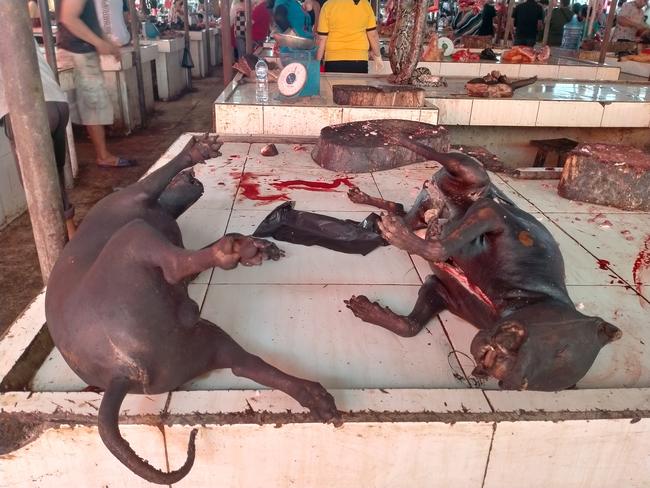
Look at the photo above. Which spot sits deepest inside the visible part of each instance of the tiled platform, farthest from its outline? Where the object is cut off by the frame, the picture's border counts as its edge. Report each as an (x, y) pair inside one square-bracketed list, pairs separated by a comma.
[(543, 104), (547, 104), (299, 320), (237, 112), (556, 69), (413, 419)]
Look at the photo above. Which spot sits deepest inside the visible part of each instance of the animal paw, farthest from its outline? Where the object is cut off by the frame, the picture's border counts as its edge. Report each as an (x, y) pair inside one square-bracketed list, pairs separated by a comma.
[(317, 399), (365, 309), (268, 249), (202, 148), (356, 195), (395, 231)]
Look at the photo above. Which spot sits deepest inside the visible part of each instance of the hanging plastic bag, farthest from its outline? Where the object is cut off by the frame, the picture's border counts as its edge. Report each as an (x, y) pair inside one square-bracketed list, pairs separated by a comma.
[(312, 229), (187, 59)]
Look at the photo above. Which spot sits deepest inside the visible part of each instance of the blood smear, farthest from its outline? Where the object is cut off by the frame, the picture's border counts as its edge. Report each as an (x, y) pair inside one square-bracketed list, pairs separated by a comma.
[(641, 263)]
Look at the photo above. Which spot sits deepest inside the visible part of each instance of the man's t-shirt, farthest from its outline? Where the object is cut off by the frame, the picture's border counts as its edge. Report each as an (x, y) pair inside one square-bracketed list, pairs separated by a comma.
[(526, 16), (346, 23), (68, 41), (111, 18), (632, 12), (487, 22)]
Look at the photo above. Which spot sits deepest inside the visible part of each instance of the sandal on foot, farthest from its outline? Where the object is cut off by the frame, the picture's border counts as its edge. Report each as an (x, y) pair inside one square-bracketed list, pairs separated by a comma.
[(121, 163)]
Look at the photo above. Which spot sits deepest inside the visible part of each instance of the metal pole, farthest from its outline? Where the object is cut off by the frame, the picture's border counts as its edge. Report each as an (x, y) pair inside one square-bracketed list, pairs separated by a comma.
[(186, 27), (208, 61), (48, 38), (135, 27), (30, 126), (226, 43), (248, 8), (547, 22), (608, 32)]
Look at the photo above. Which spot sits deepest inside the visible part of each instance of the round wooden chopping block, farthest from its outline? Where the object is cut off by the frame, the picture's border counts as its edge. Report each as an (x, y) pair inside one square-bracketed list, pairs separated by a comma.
[(372, 145)]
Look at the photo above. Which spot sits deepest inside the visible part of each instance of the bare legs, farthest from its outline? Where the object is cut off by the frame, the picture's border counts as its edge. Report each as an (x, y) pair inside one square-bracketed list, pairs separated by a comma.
[(97, 134)]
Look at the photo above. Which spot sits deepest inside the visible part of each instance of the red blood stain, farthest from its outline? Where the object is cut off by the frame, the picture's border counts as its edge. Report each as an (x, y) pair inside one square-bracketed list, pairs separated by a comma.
[(641, 263), (299, 147), (312, 185), (250, 188), (603, 263)]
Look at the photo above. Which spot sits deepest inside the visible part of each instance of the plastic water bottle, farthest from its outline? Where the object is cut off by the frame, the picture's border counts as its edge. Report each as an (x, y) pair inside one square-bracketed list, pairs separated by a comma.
[(262, 84), (572, 34)]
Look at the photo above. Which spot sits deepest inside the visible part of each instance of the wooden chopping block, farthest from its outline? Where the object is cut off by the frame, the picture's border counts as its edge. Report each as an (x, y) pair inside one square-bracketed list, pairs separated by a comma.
[(378, 96), (370, 145), (607, 174)]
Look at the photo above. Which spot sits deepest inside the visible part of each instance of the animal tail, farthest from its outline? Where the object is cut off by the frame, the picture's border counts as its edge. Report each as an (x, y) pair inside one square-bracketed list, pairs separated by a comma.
[(109, 431)]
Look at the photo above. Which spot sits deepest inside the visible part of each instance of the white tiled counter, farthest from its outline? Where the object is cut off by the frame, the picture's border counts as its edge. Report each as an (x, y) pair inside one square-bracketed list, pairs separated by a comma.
[(171, 77), (558, 69), (199, 51), (412, 414), (631, 67), (547, 104), (237, 112), (543, 104), (215, 46)]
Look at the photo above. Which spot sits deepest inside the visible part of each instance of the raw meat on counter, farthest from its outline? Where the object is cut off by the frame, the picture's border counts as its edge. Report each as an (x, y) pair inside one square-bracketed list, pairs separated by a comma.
[(522, 54), (495, 85)]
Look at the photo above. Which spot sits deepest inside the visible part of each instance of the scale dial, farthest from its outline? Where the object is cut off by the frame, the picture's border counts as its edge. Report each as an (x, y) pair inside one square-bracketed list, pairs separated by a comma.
[(292, 79)]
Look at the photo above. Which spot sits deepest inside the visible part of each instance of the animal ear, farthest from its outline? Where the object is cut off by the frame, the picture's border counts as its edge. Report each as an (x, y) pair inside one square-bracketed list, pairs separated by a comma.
[(511, 335), (608, 332)]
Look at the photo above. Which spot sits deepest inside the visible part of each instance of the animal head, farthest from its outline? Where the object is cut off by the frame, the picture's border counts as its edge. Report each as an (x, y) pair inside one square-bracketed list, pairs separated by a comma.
[(181, 193), (546, 356)]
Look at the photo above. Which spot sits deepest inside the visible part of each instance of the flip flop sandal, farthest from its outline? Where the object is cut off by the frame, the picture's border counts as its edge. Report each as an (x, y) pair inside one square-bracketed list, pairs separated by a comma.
[(121, 163)]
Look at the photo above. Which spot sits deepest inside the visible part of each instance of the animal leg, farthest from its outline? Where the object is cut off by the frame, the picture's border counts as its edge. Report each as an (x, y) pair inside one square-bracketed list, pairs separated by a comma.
[(208, 347), (429, 304), (140, 239), (480, 219), (356, 195), (200, 149)]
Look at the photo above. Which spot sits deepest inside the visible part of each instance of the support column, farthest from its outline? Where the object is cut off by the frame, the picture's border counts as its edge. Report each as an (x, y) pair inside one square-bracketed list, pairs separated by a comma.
[(608, 32), (547, 21), (188, 51), (249, 26), (226, 43), (30, 126), (137, 58)]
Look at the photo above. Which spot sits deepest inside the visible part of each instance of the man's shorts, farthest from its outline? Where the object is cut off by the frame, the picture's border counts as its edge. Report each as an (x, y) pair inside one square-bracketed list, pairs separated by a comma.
[(91, 104)]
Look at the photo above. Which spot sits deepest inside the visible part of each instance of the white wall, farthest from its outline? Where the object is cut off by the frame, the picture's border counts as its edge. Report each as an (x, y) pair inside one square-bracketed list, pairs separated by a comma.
[(12, 196)]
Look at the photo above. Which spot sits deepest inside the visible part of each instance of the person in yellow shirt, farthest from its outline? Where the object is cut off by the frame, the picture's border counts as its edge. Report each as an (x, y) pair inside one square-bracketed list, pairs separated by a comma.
[(347, 29)]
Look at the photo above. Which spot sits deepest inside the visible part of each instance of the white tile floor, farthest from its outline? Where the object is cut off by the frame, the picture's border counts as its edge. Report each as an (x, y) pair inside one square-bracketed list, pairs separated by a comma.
[(291, 312)]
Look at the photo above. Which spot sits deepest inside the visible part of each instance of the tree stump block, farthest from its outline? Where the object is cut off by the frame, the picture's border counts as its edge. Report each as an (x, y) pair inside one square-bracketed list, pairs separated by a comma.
[(378, 96), (373, 145), (607, 174)]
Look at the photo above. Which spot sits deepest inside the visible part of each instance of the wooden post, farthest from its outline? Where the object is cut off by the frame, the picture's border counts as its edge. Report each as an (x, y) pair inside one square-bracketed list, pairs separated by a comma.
[(226, 43), (547, 22), (608, 32), (509, 21), (29, 122), (595, 6), (137, 57), (206, 6), (249, 26)]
